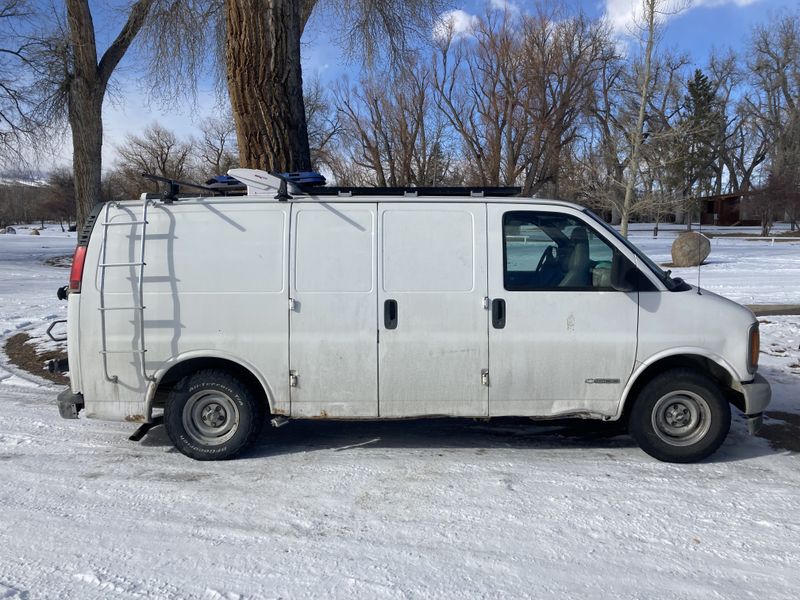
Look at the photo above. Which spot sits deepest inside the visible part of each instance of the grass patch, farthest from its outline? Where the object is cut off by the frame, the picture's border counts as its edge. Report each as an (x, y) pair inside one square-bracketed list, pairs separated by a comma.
[(65, 261), (24, 356)]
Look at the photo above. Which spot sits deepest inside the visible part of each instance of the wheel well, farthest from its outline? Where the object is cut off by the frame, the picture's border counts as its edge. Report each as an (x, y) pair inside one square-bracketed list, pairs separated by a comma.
[(187, 367), (687, 361)]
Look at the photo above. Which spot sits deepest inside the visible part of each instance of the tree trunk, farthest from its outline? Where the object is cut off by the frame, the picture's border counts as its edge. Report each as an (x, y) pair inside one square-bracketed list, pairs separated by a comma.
[(262, 52), (86, 89), (86, 123), (650, 7)]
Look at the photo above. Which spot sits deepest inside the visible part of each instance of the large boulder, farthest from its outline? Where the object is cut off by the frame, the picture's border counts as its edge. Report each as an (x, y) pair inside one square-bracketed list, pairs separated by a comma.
[(690, 249), (34, 232)]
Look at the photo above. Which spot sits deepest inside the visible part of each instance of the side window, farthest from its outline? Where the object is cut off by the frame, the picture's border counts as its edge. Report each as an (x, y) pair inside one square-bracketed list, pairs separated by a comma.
[(553, 251)]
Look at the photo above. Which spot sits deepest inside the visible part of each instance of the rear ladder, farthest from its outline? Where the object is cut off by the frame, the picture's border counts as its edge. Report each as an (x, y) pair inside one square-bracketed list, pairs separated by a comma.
[(139, 306)]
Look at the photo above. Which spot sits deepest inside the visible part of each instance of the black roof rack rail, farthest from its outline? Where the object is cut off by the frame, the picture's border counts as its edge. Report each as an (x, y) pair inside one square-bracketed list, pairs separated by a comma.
[(174, 186), (409, 191)]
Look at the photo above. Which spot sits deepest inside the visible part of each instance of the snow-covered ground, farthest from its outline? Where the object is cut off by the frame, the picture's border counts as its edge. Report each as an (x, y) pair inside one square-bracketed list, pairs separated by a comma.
[(427, 509), (28, 287), (744, 270)]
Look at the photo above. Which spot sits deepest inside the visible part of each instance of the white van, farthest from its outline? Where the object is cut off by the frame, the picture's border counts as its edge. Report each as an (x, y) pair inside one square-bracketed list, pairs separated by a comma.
[(324, 303)]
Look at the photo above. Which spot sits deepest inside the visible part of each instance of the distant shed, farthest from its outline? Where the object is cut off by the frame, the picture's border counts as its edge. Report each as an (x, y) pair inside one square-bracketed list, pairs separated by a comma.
[(727, 209)]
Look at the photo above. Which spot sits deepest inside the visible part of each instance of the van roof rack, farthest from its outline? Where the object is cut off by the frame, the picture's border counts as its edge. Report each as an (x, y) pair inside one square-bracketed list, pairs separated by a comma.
[(174, 186), (286, 184), (411, 191)]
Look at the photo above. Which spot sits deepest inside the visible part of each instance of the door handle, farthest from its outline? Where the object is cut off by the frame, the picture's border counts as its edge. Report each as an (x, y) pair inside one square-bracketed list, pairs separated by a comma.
[(390, 314), (498, 313)]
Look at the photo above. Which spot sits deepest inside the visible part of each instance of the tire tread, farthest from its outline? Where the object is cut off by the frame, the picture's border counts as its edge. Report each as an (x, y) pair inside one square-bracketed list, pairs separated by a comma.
[(640, 425), (213, 378)]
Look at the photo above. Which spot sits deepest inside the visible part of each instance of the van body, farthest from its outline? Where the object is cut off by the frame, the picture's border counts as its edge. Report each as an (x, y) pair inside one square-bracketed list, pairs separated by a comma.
[(226, 311)]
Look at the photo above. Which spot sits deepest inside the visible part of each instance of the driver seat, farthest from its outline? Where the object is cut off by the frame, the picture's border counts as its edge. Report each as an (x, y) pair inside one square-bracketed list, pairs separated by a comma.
[(579, 266)]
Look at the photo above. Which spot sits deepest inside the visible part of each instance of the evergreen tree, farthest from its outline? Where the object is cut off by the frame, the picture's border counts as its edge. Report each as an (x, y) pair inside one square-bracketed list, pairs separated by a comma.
[(697, 145)]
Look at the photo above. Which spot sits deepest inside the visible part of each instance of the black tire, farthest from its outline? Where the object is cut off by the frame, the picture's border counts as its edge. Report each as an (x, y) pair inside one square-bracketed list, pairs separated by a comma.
[(212, 415), (680, 416)]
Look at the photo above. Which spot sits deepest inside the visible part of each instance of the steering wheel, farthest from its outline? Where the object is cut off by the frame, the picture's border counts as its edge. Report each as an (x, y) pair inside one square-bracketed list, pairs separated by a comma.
[(547, 259)]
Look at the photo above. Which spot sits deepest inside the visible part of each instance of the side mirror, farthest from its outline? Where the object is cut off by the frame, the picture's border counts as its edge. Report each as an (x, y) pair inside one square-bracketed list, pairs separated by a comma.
[(623, 273)]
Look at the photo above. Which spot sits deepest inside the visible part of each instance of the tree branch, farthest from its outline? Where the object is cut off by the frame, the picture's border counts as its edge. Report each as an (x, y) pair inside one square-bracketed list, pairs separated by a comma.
[(120, 45)]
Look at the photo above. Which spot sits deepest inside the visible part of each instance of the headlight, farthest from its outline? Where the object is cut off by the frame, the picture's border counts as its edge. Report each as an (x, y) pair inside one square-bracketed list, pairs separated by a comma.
[(753, 348)]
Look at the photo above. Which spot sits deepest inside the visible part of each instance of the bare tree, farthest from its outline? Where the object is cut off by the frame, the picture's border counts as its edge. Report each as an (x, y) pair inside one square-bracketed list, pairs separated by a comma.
[(774, 69), (86, 85), (561, 60), (650, 10), (157, 151), (59, 196), (516, 92), (216, 149), (727, 78), (72, 81), (479, 91), (606, 154), (17, 123), (397, 137), (323, 124), (258, 44), (19, 202)]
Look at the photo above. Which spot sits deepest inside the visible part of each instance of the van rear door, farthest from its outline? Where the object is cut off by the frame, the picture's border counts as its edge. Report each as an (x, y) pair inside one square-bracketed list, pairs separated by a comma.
[(433, 346)]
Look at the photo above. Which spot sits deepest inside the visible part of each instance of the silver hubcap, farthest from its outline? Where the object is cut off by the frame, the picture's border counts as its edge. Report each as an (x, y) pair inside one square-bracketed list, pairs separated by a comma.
[(681, 418), (210, 417)]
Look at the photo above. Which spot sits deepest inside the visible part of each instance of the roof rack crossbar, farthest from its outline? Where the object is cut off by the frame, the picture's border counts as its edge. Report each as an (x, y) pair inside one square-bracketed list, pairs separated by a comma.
[(174, 185)]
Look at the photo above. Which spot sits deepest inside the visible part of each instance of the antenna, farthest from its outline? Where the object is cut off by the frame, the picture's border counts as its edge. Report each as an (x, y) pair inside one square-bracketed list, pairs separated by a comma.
[(699, 246)]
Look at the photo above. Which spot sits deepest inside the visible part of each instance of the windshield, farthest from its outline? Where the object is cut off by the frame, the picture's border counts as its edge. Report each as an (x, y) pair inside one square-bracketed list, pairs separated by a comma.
[(660, 273)]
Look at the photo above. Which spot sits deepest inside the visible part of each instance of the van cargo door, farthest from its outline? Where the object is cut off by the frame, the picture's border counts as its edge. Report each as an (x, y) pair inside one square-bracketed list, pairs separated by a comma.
[(333, 310), (433, 347)]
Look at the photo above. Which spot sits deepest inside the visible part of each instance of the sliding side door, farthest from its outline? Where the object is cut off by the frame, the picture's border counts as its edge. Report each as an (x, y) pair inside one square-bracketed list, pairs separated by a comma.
[(433, 345)]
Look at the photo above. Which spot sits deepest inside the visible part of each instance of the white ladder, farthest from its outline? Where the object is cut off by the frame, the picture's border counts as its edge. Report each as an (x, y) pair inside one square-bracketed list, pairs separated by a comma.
[(139, 307)]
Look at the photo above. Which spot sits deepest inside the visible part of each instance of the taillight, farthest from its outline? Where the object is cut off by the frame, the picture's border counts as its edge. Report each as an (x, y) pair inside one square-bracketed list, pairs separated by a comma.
[(754, 347), (76, 273)]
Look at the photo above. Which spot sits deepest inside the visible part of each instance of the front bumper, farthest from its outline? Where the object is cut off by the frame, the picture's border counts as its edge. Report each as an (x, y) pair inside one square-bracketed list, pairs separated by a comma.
[(69, 404), (757, 395)]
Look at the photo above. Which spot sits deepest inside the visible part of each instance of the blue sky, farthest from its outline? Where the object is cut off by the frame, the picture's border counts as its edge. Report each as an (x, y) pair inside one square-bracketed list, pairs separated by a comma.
[(703, 26)]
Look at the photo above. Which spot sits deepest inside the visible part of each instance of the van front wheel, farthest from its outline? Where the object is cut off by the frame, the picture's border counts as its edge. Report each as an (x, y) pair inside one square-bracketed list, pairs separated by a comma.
[(680, 416), (211, 415)]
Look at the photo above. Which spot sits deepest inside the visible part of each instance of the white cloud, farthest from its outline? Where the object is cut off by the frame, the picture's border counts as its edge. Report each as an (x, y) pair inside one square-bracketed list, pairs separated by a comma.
[(504, 5), (454, 23), (621, 14)]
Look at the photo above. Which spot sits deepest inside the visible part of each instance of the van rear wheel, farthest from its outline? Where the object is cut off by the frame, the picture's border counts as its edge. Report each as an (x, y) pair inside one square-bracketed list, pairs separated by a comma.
[(211, 415), (680, 416)]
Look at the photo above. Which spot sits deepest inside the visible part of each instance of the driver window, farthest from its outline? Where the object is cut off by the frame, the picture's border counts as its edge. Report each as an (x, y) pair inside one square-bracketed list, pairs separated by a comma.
[(554, 251)]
